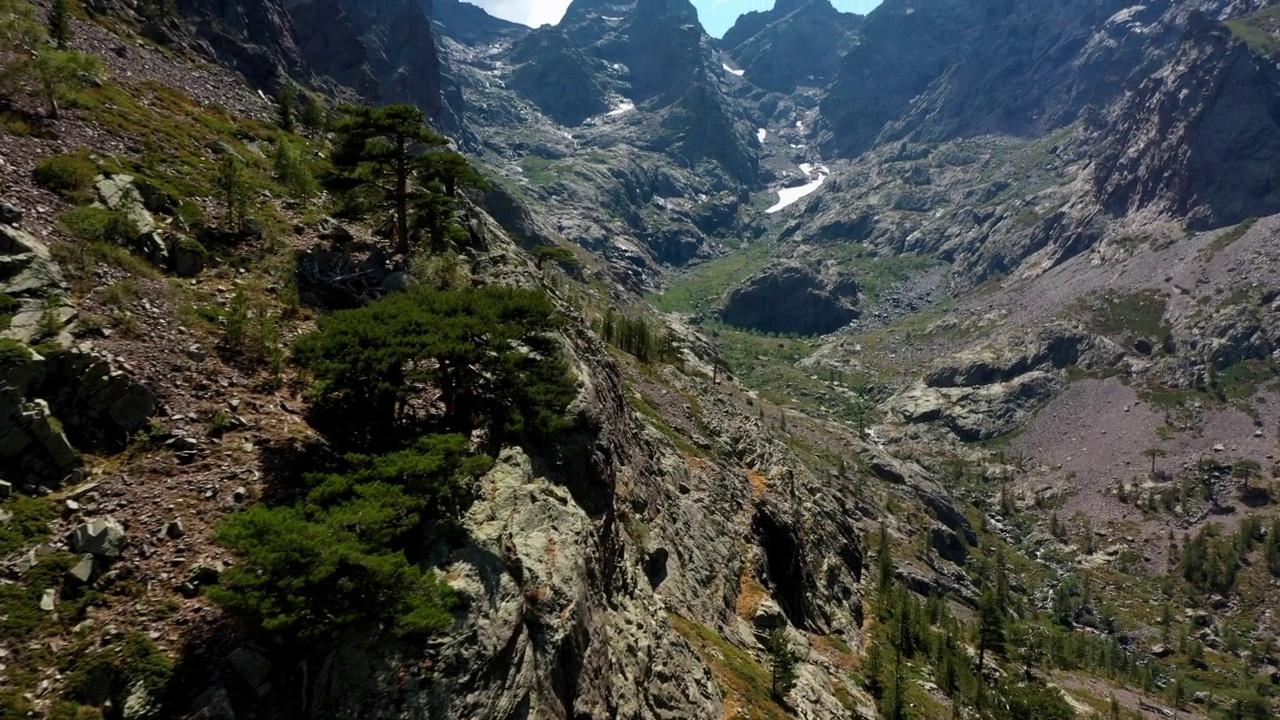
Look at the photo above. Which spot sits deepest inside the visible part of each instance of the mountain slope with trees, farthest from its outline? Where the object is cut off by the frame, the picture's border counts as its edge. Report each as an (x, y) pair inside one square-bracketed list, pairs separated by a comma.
[(326, 405)]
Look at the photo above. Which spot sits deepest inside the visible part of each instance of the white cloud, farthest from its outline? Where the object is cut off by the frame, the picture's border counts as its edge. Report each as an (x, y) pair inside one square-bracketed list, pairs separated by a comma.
[(528, 12)]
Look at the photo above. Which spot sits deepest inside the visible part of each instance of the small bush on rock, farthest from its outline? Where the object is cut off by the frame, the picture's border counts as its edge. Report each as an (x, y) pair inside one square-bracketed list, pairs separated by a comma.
[(97, 224), (71, 176)]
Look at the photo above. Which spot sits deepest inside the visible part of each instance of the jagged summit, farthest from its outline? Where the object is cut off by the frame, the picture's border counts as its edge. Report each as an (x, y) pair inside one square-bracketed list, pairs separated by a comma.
[(470, 24), (557, 76), (797, 43)]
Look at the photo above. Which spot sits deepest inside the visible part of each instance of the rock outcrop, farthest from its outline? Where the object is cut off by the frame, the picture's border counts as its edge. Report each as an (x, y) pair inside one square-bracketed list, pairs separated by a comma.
[(792, 298), (49, 403), (535, 638), (36, 306), (253, 37), (164, 248), (985, 393)]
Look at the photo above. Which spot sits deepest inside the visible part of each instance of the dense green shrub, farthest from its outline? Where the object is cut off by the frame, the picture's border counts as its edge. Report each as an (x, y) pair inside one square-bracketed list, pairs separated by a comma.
[(486, 351), (436, 472), (9, 306), (292, 170), (346, 555), (111, 674), (1031, 701), (30, 517), (71, 176), (311, 574), (348, 552), (98, 224)]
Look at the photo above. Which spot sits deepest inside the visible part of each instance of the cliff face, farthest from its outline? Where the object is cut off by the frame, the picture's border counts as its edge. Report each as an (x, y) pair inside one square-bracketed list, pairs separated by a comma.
[(384, 49), (938, 71), (558, 77), (797, 43), (254, 37), (1200, 138)]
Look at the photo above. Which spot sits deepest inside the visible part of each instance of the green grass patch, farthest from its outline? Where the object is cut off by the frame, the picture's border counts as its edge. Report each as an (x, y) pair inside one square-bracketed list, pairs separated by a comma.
[(700, 287), (71, 176), (743, 680), (645, 408), (9, 306), (79, 259), (875, 275), (539, 171), (21, 616), (768, 364), (99, 225), (1226, 239), (1140, 314), (112, 673), (1260, 31), (29, 524), (1243, 380), (176, 135)]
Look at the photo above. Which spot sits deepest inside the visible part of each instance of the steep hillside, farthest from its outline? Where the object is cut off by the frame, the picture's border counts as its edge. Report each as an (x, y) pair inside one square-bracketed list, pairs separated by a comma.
[(915, 365)]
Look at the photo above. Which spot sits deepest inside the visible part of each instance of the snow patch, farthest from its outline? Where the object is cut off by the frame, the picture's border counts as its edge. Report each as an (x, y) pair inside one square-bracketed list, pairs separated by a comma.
[(790, 196), (622, 109), (806, 168), (761, 134), (1126, 15), (731, 71)]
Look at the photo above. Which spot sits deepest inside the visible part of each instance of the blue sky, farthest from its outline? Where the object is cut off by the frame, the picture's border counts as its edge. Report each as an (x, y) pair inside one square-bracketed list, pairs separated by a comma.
[(717, 15)]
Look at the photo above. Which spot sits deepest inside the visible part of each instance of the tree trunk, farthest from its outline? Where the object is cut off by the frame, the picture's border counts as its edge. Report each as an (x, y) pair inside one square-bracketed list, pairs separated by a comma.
[(402, 199), (52, 97)]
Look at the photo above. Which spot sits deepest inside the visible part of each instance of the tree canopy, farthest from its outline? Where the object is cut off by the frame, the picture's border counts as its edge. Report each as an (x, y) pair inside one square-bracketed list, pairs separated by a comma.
[(386, 160), (39, 65), (401, 385), (429, 360)]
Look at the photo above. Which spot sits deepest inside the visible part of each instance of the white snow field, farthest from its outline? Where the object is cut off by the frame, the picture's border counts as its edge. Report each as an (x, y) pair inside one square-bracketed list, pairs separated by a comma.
[(790, 196)]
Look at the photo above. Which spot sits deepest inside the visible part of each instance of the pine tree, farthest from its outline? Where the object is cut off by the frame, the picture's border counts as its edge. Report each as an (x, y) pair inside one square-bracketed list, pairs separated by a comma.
[(782, 662), (1003, 596), (884, 566), (234, 192), (60, 24), (991, 636), (484, 353), (1272, 547), (313, 116), (902, 647), (292, 170), (376, 161), (288, 108), (387, 160)]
